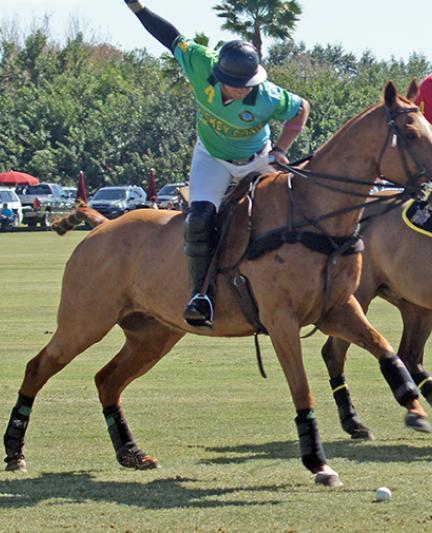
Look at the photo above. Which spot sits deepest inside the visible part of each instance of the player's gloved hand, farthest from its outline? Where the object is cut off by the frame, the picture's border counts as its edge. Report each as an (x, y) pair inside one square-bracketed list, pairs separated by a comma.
[(134, 5), (277, 155)]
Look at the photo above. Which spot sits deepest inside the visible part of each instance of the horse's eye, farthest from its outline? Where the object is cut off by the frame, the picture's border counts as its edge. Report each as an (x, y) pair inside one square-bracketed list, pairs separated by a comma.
[(411, 135)]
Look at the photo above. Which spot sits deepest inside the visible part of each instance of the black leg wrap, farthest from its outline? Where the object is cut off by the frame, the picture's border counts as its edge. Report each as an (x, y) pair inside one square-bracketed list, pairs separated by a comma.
[(15, 432), (397, 376), (312, 452), (423, 380), (127, 452), (118, 429), (350, 420), (342, 398)]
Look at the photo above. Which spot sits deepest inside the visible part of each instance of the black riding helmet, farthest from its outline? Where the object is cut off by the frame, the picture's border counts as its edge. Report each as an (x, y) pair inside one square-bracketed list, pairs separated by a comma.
[(238, 65)]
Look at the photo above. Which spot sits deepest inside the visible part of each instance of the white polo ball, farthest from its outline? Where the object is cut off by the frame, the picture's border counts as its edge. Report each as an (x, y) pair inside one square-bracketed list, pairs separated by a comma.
[(383, 494)]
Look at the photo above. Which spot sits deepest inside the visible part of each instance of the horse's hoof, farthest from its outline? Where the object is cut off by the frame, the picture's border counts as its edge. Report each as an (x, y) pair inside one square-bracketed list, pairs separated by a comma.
[(354, 427), (148, 463), (328, 480), (16, 465), (137, 459), (417, 422), (362, 434)]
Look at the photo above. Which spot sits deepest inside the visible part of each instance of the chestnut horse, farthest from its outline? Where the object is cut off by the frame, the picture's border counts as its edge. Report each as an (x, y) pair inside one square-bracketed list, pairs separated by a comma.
[(396, 266), (118, 275)]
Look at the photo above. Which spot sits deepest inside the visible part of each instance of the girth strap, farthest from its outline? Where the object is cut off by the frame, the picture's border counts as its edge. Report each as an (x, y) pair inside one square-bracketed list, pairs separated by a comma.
[(247, 302), (241, 287), (317, 242)]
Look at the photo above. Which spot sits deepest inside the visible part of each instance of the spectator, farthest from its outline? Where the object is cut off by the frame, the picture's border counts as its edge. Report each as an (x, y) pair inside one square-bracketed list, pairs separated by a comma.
[(424, 98), (152, 195), (6, 217), (36, 203)]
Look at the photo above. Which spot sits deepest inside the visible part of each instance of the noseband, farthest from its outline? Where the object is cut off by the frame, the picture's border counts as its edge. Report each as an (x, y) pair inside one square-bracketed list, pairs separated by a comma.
[(399, 141)]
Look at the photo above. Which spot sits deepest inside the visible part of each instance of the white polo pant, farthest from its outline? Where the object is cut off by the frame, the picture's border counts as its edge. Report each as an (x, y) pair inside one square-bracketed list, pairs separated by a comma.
[(210, 177)]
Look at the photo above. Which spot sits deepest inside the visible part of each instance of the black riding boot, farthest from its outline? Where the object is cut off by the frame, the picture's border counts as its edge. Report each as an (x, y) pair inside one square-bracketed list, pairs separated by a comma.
[(199, 240)]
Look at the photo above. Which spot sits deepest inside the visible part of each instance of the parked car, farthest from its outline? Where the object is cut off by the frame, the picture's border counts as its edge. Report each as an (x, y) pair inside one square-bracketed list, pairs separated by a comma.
[(9, 197), (169, 195), (41, 202), (71, 193), (116, 200)]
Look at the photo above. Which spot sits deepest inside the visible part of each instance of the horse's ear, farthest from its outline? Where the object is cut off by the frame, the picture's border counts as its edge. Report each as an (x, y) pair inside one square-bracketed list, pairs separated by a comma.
[(390, 94), (413, 90)]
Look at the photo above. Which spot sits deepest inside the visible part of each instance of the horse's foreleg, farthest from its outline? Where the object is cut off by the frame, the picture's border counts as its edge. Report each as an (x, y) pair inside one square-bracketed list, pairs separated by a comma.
[(143, 348), (284, 333), (417, 326), (350, 323), (65, 345)]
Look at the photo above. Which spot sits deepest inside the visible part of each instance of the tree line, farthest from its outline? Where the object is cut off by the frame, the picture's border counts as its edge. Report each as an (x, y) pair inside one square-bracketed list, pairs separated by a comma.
[(115, 114)]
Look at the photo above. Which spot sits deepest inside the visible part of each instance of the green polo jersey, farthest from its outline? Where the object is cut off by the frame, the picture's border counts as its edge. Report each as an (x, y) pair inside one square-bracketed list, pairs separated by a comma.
[(241, 128)]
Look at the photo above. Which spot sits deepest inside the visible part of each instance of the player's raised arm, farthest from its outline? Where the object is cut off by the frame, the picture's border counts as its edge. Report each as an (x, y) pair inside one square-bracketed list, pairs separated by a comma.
[(161, 29)]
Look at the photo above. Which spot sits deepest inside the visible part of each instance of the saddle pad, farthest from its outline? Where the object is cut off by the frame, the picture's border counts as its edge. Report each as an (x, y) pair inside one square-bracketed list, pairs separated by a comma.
[(417, 215)]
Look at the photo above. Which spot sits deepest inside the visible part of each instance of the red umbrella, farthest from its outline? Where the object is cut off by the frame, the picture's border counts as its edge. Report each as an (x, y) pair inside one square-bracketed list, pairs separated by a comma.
[(82, 189), (152, 187), (13, 177)]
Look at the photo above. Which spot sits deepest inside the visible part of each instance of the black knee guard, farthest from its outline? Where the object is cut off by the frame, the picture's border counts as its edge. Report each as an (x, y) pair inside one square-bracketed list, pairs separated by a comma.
[(199, 233), (199, 229), (311, 450), (15, 432), (397, 376)]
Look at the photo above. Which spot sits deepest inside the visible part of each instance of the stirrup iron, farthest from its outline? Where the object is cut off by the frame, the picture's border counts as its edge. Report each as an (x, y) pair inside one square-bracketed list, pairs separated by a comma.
[(203, 320)]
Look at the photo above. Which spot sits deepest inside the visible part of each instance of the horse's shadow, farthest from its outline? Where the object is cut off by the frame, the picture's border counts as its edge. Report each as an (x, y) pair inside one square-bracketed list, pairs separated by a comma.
[(174, 492), (355, 451), (166, 493)]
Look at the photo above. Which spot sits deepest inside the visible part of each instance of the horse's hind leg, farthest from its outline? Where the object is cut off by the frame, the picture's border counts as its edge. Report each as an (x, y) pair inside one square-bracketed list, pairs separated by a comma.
[(417, 326), (334, 353), (349, 322), (147, 341), (68, 341)]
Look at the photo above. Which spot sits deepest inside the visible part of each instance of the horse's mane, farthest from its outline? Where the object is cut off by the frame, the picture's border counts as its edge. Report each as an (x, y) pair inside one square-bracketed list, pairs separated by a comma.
[(346, 126), (351, 121)]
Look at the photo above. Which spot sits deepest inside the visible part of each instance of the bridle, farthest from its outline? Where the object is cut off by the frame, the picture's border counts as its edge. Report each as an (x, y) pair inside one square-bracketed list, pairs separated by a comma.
[(335, 183), (398, 140)]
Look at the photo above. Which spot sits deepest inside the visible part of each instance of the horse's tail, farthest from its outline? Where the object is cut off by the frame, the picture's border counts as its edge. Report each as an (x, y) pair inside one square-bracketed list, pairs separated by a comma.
[(82, 213)]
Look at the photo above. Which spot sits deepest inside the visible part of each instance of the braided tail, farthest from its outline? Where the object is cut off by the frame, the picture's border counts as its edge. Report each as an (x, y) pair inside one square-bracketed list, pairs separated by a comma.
[(82, 213)]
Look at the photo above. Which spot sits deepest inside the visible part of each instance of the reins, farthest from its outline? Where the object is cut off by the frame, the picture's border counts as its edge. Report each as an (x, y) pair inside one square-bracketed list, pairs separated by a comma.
[(393, 202), (408, 190)]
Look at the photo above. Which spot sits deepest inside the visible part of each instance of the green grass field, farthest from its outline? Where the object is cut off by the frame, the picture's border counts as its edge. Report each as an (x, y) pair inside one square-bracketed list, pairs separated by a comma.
[(225, 437)]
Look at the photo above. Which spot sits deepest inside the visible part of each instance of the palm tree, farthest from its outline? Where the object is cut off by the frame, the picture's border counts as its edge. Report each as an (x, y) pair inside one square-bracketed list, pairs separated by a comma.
[(254, 18)]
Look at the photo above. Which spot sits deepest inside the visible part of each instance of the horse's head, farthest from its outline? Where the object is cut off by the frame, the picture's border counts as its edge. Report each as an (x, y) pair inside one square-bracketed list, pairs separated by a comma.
[(406, 156)]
